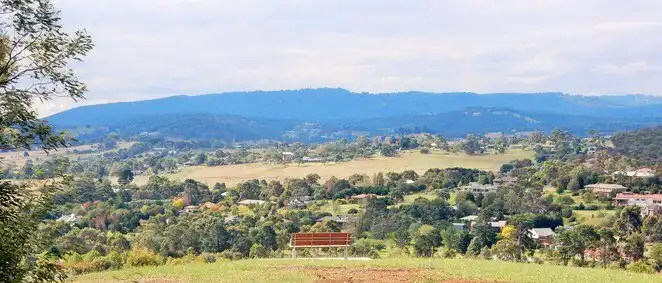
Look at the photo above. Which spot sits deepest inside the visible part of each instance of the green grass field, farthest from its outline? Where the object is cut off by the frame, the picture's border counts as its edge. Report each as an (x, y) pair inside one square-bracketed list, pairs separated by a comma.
[(592, 217), (381, 270), (407, 160)]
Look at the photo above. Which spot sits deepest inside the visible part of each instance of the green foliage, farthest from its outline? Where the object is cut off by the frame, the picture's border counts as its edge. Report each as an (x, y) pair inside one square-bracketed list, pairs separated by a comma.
[(258, 251), (143, 257), (640, 266), (634, 246), (34, 54), (367, 248), (629, 220), (644, 145), (426, 240), (655, 254), (507, 250)]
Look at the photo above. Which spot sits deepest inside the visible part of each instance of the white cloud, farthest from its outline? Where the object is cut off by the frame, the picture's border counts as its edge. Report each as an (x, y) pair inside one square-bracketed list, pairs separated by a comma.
[(147, 49), (628, 68)]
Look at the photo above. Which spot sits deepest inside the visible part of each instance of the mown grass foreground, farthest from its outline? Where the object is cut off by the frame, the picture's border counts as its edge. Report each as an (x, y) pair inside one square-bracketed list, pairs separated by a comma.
[(380, 270)]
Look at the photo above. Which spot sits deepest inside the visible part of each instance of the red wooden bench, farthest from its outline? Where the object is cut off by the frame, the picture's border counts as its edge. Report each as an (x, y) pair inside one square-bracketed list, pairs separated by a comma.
[(320, 240)]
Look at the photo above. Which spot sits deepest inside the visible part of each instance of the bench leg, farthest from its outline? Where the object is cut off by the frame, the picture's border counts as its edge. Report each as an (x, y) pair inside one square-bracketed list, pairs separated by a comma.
[(294, 252), (345, 252)]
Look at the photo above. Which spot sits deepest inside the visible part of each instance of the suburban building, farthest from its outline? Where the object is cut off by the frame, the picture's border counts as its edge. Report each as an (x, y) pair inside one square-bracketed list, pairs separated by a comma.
[(505, 181), (470, 218), (311, 159), (641, 173), (250, 202), (459, 226), (339, 218), (299, 202), (476, 188), (544, 236), (71, 218), (191, 208), (498, 225), (364, 196), (605, 189), (649, 204)]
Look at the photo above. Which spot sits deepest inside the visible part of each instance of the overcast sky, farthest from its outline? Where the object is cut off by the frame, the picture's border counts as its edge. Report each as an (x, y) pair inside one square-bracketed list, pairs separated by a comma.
[(156, 48)]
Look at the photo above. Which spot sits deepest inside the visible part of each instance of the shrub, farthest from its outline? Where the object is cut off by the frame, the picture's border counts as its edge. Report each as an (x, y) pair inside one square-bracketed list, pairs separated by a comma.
[(399, 252), (113, 260), (640, 266), (143, 257), (425, 150), (448, 253), (258, 251), (231, 255), (182, 260), (367, 247), (208, 258), (80, 267), (352, 211), (485, 253)]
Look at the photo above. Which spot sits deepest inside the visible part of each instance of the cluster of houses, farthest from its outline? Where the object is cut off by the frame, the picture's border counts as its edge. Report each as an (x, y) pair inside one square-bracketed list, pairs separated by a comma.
[(649, 204), (544, 236), (641, 173), (476, 188)]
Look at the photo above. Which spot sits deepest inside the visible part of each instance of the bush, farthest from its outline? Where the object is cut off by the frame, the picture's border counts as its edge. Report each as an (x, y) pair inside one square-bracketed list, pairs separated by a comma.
[(143, 257), (367, 247), (352, 211), (208, 258), (399, 252), (425, 150), (114, 260), (448, 253), (258, 251), (231, 255), (640, 266), (182, 260), (485, 253)]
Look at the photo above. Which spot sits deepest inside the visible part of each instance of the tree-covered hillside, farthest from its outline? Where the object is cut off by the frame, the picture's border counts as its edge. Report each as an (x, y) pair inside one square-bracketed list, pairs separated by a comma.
[(644, 145), (338, 104)]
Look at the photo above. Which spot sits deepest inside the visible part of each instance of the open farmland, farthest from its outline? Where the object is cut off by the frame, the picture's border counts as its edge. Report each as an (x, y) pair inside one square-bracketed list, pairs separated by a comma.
[(407, 160), (381, 270), (17, 158)]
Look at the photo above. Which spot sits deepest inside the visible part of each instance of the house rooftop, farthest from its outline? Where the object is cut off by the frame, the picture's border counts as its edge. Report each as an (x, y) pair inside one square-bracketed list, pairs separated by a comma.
[(542, 232), (638, 196), (498, 224), (605, 186), (469, 218), (251, 201), (364, 196)]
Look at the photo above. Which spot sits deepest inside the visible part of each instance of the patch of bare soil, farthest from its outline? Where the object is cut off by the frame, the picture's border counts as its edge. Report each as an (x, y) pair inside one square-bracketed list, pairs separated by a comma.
[(466, 281), (376, 274), (156, 280)]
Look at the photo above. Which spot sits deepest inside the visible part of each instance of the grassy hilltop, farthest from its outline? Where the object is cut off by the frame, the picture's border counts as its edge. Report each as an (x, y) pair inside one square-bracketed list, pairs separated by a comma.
[(380, 270)]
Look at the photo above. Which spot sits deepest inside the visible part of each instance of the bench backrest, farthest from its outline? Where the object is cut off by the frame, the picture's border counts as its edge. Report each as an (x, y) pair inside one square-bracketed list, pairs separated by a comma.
[(326, 239)]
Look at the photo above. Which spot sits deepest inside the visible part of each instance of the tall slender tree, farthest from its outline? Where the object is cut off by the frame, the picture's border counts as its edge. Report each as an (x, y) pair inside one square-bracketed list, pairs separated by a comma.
[(35, 53)]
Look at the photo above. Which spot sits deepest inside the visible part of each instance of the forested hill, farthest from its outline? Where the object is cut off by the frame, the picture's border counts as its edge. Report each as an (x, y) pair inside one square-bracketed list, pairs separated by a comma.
[(330, 104), (644, 145), (313, 114)]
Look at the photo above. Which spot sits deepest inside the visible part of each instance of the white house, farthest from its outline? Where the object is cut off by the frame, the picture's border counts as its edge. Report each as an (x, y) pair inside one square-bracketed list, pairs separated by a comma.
[(250, 202), (476, 188), (71, 218)]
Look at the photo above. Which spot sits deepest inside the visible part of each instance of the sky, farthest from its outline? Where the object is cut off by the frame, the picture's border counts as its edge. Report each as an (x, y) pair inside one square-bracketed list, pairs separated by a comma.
[(156, 48)]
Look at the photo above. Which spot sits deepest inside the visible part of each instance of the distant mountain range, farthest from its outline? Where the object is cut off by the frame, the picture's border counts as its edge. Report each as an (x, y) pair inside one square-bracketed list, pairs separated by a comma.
[(313, 114)]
